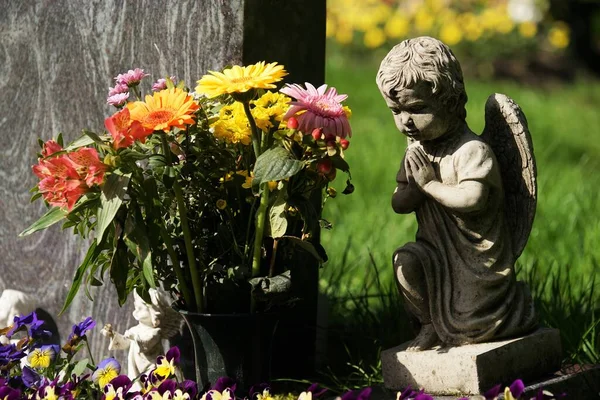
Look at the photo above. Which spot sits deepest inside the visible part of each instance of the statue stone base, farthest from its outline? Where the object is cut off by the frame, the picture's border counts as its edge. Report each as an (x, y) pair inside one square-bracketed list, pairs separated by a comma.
[(473, 369)]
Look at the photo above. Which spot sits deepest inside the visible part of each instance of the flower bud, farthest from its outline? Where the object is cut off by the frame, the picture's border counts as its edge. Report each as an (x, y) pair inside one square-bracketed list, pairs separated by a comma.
[(324, 166), (344, 143), (292, 123), (331, 175), (316, 133)]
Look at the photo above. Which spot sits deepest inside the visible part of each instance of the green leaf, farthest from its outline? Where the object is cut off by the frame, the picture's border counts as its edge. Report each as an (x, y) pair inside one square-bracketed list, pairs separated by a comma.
[(119, 269), (306, 246), (81, 142), (157, 160), (138, 243), (129, 154), (339, 163), (35, 197), (53, 215), (111, 198), (93, 136), (278, 223), (80, 367), (274, 165), (90, 257)]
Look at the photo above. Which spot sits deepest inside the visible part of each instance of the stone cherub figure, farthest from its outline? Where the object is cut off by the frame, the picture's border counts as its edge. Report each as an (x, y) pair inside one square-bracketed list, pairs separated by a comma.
[(474, 198), (157, 322)]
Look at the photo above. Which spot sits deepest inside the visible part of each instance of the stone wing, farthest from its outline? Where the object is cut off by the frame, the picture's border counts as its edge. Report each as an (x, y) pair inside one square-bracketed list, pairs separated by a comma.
[(506, 131)]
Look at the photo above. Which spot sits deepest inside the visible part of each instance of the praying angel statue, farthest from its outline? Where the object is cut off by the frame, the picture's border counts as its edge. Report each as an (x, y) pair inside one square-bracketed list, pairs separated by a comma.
[(157, 322), (474, 197)]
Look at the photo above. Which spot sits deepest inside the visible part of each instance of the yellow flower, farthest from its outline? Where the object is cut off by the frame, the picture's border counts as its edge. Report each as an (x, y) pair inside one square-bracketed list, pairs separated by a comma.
[(451, 33), (344, 35), (559, 35), (347, 111), (397, 26), (232, 125), (169, 108), (528, 29), (329, 27), (248, 182), (241, 79), (228, 176), (423, 20), (374, 37), (268, 108), (49, 394), (42, 357), (221, 204), (265, 395)]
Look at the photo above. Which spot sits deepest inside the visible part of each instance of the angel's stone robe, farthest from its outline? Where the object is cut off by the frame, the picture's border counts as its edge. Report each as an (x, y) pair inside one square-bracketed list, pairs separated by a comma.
[(467, 257)]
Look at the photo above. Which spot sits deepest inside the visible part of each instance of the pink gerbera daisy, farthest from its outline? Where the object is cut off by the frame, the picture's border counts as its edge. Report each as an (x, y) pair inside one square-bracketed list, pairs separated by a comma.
[(318, 108), (131, 77)]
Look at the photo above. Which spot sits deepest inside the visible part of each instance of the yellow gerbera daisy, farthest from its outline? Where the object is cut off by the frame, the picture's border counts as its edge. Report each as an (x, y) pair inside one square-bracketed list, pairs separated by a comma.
[(239, 79), (169, 108)]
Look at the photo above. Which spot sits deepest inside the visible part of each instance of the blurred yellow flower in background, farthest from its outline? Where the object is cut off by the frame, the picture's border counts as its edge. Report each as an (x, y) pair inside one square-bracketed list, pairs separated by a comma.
[(374, 37), (397, 26), (423, 20), (451, 33), (527, 29), (558, 36)]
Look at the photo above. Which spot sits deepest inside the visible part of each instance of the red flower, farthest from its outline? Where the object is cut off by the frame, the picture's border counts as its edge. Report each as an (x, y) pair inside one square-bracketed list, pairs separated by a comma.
[(88, 165), (123, 130)]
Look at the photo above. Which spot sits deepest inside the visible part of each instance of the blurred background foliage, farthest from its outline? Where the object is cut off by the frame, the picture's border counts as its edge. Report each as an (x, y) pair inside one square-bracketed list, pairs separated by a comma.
[(544, 54), (517, 38)]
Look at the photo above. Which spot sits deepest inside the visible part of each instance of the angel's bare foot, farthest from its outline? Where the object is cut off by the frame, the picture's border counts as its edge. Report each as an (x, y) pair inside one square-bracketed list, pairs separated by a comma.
[(426, 339)]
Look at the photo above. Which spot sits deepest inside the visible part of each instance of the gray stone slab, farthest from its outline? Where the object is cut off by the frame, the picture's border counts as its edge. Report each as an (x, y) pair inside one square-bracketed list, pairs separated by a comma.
[(473, 369)]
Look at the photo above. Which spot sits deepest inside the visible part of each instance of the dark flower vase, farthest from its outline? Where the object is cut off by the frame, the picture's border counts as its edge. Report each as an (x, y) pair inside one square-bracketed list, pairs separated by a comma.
[(235, 345)]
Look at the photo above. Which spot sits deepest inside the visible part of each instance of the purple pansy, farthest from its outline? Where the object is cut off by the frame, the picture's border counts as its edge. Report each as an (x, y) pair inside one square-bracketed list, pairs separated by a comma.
[(8, 393), (364, 394), (31, 322), (423, 396), (258, 389), (10, 353), (492, 393), (314, 389), (223, 383), (517, 388), (190, 387), (32, 379), (81, 328), (406, 393)]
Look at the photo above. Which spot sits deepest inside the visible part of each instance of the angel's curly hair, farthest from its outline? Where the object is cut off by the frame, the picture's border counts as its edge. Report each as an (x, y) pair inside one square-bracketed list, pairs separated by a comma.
[(424, 59)]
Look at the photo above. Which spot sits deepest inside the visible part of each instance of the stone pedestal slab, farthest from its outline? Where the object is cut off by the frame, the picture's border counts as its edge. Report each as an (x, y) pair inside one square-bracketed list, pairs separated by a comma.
[(473, 369)]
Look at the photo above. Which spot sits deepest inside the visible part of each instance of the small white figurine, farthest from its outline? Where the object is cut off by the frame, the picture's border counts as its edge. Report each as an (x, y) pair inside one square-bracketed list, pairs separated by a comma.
[(157, 322), (12, 303)]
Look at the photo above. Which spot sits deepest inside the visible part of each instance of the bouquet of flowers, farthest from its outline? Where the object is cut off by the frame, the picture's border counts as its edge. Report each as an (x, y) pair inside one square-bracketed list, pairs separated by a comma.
[(205, 193)]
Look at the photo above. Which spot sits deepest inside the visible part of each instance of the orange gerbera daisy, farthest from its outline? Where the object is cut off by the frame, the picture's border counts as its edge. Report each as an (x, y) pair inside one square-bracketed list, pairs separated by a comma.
[(169, 108), (241, 79)]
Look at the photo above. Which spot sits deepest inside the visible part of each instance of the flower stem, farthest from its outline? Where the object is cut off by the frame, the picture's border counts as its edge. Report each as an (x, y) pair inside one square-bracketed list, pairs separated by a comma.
[(189, 247), (261, 214), (87, 344), (183, 288), (255, 137)]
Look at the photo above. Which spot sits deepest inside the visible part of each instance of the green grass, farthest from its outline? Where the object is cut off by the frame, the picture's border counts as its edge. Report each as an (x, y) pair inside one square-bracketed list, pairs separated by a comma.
[(562, 256)]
